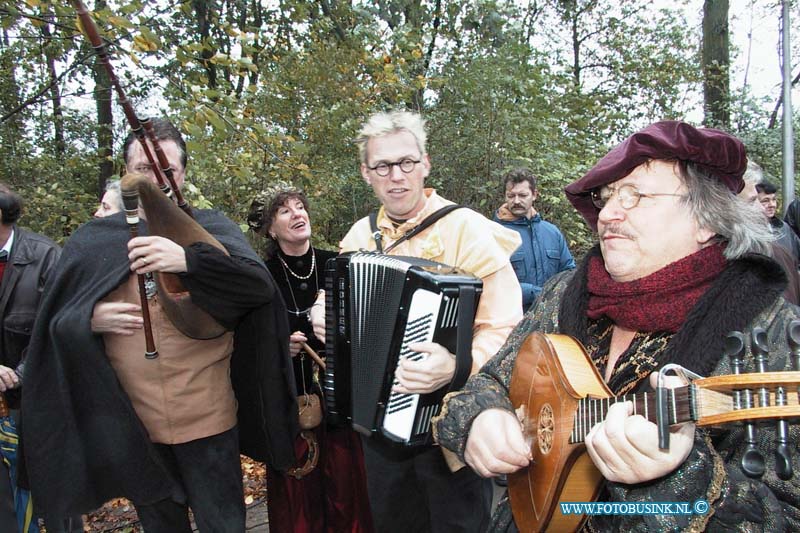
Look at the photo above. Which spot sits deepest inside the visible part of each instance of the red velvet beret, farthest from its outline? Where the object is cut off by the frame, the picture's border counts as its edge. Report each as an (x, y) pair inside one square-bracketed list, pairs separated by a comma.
[(718, 153)]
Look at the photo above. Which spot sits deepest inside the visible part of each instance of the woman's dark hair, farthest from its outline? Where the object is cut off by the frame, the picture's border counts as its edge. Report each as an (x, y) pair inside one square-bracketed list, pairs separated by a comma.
[(263, 209)]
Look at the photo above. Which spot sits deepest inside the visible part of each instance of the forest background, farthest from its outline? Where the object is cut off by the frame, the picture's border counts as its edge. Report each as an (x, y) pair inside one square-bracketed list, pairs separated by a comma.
[(277, 89)]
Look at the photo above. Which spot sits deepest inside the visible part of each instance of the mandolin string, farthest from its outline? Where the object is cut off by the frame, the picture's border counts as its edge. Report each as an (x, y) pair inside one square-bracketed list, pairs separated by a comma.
[(591, 411)]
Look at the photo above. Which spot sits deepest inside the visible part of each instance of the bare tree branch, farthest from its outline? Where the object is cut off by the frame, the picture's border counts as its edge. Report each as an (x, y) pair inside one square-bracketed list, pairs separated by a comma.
[(773, 118), (44, 89)]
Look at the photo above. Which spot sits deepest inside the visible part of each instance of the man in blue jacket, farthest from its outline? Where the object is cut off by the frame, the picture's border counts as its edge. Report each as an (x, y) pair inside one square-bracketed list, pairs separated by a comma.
[(543, 252)]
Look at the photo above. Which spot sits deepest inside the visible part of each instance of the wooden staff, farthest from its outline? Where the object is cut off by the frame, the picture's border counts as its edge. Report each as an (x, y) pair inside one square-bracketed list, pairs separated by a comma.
[(165, 179), (314, 355)]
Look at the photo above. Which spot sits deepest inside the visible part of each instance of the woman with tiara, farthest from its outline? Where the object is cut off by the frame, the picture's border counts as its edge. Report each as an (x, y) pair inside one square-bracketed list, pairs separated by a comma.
[(326, 491)]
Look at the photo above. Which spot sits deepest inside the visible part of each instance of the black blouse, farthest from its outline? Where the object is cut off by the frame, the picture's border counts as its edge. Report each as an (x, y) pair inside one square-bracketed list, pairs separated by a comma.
[(299, 295)]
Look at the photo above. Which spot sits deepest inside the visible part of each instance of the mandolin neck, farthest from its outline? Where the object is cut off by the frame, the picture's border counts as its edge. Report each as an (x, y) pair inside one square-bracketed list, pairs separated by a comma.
[(681, 407)]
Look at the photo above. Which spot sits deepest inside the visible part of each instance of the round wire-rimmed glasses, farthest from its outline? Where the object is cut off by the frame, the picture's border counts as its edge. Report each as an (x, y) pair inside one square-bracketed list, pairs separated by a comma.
[(628, 195)]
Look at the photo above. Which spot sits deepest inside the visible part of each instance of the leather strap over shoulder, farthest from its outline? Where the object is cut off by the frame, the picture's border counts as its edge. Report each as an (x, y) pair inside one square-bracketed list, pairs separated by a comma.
[(432, 218), (376, 233), (467, 301)]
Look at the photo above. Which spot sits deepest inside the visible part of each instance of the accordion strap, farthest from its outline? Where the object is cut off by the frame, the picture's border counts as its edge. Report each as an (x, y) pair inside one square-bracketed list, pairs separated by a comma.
[(433, 217), (466, 315)]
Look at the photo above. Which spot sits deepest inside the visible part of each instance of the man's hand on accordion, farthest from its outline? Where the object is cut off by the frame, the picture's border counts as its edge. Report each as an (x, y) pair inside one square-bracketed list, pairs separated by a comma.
[(430, 374)]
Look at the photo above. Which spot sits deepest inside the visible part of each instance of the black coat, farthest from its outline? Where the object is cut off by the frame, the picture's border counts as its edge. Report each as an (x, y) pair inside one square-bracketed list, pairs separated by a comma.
[(792, 216), (83, 443), (27, 270)]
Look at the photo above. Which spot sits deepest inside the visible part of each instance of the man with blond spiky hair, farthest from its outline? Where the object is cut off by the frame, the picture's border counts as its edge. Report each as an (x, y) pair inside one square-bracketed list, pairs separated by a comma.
[(414, 490)]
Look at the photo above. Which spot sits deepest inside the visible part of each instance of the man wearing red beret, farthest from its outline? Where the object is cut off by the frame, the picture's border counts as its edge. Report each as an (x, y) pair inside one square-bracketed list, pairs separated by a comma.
[(680, 263)]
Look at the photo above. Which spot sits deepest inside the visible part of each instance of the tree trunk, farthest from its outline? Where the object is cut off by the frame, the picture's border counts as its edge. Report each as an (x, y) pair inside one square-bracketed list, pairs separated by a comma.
[(12, 128), (716, 62), (105, 120), (55, 92), (203, 12)]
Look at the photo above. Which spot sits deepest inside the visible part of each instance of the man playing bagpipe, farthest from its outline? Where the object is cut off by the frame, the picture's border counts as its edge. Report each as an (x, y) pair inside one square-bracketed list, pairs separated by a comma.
[(102, 419)]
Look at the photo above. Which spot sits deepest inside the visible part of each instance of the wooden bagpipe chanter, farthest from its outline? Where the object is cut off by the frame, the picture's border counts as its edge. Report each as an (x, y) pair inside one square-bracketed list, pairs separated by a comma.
[(168, 214), (559, 396)]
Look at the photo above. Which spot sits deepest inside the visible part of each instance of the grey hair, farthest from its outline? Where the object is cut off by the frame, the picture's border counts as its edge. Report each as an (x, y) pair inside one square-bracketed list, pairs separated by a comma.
[(113, 186), (754, 173), (714, 207), (381, 124)]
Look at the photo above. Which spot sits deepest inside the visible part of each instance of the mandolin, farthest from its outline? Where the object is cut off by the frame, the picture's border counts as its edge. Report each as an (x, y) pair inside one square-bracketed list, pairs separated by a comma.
[(559, 396)]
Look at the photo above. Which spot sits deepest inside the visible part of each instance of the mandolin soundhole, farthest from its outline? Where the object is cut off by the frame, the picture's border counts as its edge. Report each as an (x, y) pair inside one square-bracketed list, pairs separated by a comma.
[(546, 428)]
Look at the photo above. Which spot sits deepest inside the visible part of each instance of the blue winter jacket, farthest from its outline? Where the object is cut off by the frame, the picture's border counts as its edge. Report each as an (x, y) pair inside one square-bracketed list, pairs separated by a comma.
[(542, 254)]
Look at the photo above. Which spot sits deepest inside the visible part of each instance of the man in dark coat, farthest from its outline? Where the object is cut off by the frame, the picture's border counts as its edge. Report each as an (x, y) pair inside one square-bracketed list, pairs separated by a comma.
[(101, 420), (784, 235), (681, 263), (26, 263), (792, 216)]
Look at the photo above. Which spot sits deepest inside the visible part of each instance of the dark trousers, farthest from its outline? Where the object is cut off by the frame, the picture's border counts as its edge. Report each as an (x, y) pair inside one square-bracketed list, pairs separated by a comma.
[(68, 525), (8, 517), (210, 471), (416, 492)]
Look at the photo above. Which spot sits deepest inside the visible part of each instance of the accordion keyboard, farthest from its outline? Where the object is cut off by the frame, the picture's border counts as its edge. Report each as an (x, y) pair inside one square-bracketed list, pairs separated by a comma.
[(401, 409)]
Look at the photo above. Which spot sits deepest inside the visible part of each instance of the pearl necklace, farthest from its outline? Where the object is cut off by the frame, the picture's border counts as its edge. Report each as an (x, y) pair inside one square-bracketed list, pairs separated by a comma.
[(298, 276), (297, 311)]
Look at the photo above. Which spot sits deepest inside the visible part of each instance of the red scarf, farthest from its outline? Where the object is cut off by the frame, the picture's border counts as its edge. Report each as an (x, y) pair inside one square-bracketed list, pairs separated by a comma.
[(658, 302)]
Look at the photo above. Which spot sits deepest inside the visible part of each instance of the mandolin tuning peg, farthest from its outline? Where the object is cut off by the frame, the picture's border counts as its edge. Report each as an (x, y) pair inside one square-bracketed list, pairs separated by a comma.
[(734, 343), (734, 349), (793, 333), (753, 463), (760, 348), (793, 336), (783, 457), (760, 354), (783, 461)]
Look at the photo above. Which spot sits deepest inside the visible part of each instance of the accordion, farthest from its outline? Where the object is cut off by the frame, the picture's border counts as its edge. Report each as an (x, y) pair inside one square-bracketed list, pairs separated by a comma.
[(376, 305)]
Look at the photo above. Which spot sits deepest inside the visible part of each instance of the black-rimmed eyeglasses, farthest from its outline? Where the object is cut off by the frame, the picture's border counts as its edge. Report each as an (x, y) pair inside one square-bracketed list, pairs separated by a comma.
[(406, 165), (628, 195)]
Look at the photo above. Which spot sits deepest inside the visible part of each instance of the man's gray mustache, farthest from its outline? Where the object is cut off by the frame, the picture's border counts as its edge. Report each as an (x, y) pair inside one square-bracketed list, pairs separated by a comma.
[(615, 230)]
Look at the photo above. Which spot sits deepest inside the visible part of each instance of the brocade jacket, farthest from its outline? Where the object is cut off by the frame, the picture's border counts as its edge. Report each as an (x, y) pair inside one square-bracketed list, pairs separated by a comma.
[(712, 470)]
